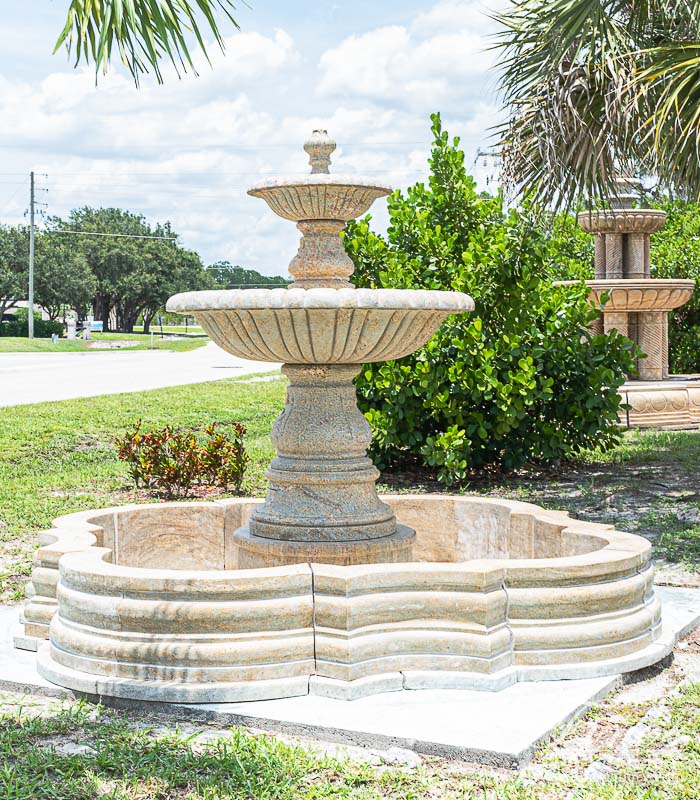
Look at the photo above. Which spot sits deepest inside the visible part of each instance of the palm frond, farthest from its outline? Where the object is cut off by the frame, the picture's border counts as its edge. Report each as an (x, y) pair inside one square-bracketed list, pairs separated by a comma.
[(143, 32), (592, 86), (673, 129)]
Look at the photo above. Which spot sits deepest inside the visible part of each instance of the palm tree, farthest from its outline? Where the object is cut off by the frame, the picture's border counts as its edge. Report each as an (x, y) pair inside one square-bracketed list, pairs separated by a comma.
[(142, 32), (593, 87)]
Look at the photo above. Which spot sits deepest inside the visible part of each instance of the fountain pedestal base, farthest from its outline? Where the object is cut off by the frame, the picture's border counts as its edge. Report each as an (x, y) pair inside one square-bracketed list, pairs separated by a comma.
[(671, 404), (322, 485), (255, 551)]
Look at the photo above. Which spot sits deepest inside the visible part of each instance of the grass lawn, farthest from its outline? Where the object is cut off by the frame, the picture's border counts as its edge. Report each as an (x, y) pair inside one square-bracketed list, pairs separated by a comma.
[(130, 341), (181, 329)]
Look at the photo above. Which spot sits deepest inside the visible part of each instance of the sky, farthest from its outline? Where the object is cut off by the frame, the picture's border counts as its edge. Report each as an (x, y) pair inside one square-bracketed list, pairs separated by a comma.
[(369, 71)]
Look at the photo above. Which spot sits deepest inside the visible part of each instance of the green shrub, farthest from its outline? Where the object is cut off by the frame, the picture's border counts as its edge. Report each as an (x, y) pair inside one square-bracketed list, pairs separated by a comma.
[(675, 253), (519, 379), (172, 463), (19, 326)]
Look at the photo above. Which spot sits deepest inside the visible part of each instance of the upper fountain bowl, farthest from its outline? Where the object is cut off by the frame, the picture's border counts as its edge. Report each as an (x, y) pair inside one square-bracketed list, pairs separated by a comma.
[(622, 220), (320, 196)]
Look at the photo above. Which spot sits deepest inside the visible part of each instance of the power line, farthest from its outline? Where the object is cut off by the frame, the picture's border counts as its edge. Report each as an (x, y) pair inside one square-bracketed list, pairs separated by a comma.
[(245, 147), (120, 235)]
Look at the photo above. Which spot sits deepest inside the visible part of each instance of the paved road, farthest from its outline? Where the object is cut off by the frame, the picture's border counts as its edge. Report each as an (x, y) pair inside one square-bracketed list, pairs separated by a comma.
[(38, 377)]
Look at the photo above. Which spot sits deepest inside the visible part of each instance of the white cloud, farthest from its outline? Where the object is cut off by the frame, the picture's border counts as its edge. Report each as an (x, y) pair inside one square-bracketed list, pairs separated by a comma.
[(364, 65), (441, 58), (453, 15)]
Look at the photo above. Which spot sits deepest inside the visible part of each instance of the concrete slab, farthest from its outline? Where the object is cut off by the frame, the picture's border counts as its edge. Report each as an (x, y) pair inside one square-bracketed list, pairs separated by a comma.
[(502, 728)]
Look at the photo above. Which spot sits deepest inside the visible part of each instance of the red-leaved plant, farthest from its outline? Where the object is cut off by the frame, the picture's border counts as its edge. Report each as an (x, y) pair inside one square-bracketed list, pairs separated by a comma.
[(173, 462)]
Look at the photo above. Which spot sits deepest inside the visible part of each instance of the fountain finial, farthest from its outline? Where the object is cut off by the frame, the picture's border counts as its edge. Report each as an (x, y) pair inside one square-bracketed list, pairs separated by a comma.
[(319, 146), (628, 190)]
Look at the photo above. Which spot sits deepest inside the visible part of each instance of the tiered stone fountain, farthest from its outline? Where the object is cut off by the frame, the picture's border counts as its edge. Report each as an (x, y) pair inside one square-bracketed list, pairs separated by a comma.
[(325, 587), (638, 307)]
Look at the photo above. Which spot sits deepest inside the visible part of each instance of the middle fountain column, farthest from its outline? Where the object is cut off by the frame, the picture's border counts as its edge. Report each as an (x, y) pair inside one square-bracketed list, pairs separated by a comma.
[(322, 485)]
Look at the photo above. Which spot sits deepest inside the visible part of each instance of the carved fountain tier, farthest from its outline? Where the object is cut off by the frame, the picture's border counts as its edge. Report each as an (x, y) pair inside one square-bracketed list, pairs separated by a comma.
[(322, 504), (638, 307), (325, 587)]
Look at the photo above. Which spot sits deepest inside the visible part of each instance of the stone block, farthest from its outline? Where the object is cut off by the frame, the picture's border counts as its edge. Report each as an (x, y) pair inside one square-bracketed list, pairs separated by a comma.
[(174, 536)]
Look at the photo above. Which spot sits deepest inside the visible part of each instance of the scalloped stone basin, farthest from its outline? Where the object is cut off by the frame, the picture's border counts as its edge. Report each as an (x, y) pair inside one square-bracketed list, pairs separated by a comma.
[(151, 605), (320, 197), (645, 294), (322, 325), (622, 220)]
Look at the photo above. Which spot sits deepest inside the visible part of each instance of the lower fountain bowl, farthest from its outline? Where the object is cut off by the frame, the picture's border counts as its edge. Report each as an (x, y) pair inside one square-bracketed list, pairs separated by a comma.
[(150, 602), (321, 325)]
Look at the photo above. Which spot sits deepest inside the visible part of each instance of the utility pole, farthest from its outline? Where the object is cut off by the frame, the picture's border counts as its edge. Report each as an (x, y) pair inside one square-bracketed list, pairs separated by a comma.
[(30, 315)]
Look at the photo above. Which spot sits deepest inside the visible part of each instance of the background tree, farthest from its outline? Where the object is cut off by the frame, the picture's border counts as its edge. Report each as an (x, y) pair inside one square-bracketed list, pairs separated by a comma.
[(62, 277), (142, 32), (593, 85), (133, 276), (14, 266), (230, 276), (521, 378), (182, 272)]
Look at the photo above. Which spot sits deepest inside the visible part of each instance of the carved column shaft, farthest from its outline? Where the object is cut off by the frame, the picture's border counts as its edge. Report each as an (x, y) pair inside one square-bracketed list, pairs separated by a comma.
[(321, 260), (322, 485), (596, 327), (652, 340), (636, 265), (614, 253), (616, 320), (600, 256)]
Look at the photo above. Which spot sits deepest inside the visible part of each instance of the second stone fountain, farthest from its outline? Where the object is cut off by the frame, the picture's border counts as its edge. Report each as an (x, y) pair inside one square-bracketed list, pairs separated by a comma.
[(322, 504)]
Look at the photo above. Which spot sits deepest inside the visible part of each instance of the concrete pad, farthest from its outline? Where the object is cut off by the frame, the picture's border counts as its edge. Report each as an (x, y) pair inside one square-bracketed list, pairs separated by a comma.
[(18, 671), (503, 728), (500, 728)]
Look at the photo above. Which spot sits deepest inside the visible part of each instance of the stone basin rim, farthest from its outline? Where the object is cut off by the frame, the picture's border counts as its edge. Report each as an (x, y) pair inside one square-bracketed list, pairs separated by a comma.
[(609, 213), (633, 283), (85, 553), (319, 179), (321, 298)]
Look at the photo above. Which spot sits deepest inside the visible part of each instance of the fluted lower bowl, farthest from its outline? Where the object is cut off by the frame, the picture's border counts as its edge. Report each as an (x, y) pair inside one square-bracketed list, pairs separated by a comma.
[(622, 220), (320, 326), (331, 197), (643, 294)]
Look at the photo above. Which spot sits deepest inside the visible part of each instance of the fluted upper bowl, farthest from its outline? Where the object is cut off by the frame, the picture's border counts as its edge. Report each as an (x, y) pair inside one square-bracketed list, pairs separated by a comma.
[(320, 326), (640, 294), (320, 196), (622, 220)]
